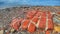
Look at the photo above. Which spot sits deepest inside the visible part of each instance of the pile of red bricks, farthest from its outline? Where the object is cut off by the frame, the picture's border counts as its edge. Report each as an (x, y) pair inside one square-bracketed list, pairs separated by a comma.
[(34, 20)]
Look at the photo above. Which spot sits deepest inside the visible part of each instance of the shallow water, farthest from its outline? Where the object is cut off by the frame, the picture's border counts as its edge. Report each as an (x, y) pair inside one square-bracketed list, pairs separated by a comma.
[(11, 3)]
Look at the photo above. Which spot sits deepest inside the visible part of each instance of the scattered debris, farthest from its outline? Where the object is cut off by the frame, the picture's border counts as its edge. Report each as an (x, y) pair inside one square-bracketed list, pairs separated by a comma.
[(34, 20)]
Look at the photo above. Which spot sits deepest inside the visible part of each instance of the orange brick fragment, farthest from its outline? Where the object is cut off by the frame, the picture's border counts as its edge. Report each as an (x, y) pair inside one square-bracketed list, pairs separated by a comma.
[(38, 14), (35, 19), (50, 24), (31, 14), (48, 32), (31, 28), (42, 23), (16, 23), (25, 24)]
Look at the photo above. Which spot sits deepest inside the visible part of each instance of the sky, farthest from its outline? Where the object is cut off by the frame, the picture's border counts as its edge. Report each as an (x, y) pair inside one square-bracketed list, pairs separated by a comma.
[(8, 3)]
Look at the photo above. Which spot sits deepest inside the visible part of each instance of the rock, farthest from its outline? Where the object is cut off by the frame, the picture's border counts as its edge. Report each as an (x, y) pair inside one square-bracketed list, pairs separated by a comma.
[(12, 30), (1, 32)]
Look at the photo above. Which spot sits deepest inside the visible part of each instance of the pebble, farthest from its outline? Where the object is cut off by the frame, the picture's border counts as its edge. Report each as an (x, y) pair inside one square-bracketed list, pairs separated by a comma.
[(1, 32)]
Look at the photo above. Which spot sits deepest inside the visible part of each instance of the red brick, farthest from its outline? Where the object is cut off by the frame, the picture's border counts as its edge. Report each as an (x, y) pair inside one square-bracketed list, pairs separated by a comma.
[(31, 28), (25, 24)]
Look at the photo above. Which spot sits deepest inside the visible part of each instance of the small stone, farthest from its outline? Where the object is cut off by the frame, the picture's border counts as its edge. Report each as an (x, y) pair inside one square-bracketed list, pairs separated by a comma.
[(19, 33), (12, 30), (1, 32), (59, 18)]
